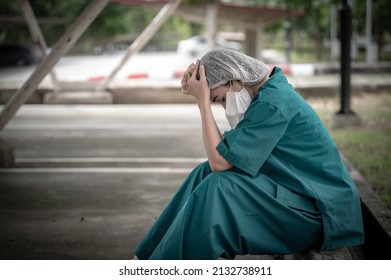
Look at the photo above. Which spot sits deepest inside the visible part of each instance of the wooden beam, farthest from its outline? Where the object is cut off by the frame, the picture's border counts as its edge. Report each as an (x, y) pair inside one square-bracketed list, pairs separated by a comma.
[(197, 15), (142, 39), (62, 46)]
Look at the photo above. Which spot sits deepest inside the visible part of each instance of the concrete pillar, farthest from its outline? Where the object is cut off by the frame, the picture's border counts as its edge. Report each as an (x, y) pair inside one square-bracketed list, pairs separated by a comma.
[(250, 47), (334, 43), (259, 35), (370, 49), (354, 44), (212, 10), (6, 154)]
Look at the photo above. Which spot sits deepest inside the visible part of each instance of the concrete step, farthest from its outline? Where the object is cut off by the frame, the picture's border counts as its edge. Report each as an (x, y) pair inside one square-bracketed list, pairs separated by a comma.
[(351, 253), (117, 162), (78, 97)]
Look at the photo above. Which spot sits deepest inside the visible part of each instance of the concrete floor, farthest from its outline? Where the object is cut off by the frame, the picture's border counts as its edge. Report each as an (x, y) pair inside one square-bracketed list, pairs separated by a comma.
[(90, 180)]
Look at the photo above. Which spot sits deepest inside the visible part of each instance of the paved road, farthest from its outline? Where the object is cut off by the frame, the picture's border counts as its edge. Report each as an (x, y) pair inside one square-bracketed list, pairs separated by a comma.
[(90, 180), (158, 66)]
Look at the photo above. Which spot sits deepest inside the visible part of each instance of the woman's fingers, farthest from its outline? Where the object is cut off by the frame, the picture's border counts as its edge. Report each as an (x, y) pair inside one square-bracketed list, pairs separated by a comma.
[(186, 77), (197, 66), (188, 73), (194, 80), (202, 72)]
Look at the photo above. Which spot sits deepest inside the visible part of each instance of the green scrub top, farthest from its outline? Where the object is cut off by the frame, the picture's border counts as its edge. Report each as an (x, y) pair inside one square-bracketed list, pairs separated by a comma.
[(282, 137)]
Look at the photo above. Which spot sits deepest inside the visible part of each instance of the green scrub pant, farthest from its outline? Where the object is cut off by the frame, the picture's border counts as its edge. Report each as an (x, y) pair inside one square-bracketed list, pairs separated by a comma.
[(224, 214)]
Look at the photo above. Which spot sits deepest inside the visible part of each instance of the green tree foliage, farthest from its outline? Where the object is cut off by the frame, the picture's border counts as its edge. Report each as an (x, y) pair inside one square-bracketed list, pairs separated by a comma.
[(115, 19), (66, 10)]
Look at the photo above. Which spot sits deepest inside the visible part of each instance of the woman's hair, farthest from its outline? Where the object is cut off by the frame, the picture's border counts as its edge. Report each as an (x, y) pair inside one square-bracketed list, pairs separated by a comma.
[(224, 65)]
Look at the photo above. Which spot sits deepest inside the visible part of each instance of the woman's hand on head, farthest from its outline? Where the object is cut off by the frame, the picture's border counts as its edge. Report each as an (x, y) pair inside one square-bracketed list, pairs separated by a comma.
[(197, 88), (186, 78)]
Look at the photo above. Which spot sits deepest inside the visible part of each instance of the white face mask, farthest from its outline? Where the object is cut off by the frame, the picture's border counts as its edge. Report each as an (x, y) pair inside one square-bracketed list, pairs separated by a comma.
[(235, 106)]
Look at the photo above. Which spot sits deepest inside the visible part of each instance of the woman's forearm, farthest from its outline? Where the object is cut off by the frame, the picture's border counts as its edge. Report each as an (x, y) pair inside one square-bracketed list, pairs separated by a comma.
[(198, 87), (212, 137)]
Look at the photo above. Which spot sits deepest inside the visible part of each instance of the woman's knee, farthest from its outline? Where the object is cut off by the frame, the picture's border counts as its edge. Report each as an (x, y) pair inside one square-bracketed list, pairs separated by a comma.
[(195, 177)]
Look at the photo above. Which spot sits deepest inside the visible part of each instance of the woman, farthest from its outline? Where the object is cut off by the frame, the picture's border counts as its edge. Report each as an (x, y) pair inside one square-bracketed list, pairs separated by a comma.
[(274, 184)]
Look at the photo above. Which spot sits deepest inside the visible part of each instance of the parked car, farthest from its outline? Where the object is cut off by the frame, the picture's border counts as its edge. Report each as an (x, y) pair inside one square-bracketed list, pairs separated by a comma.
[(19, 55), (197, 46)]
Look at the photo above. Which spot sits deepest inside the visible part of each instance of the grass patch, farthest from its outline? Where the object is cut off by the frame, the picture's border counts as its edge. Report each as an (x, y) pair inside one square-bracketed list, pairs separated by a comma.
[(368, 147)]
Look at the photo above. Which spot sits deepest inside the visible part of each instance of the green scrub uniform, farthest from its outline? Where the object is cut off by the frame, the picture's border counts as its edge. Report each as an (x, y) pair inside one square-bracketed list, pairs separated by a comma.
[(289, 191)]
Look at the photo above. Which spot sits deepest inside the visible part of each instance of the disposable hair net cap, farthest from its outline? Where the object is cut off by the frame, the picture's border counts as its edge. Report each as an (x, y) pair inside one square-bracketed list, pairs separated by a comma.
[(224, 65)]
